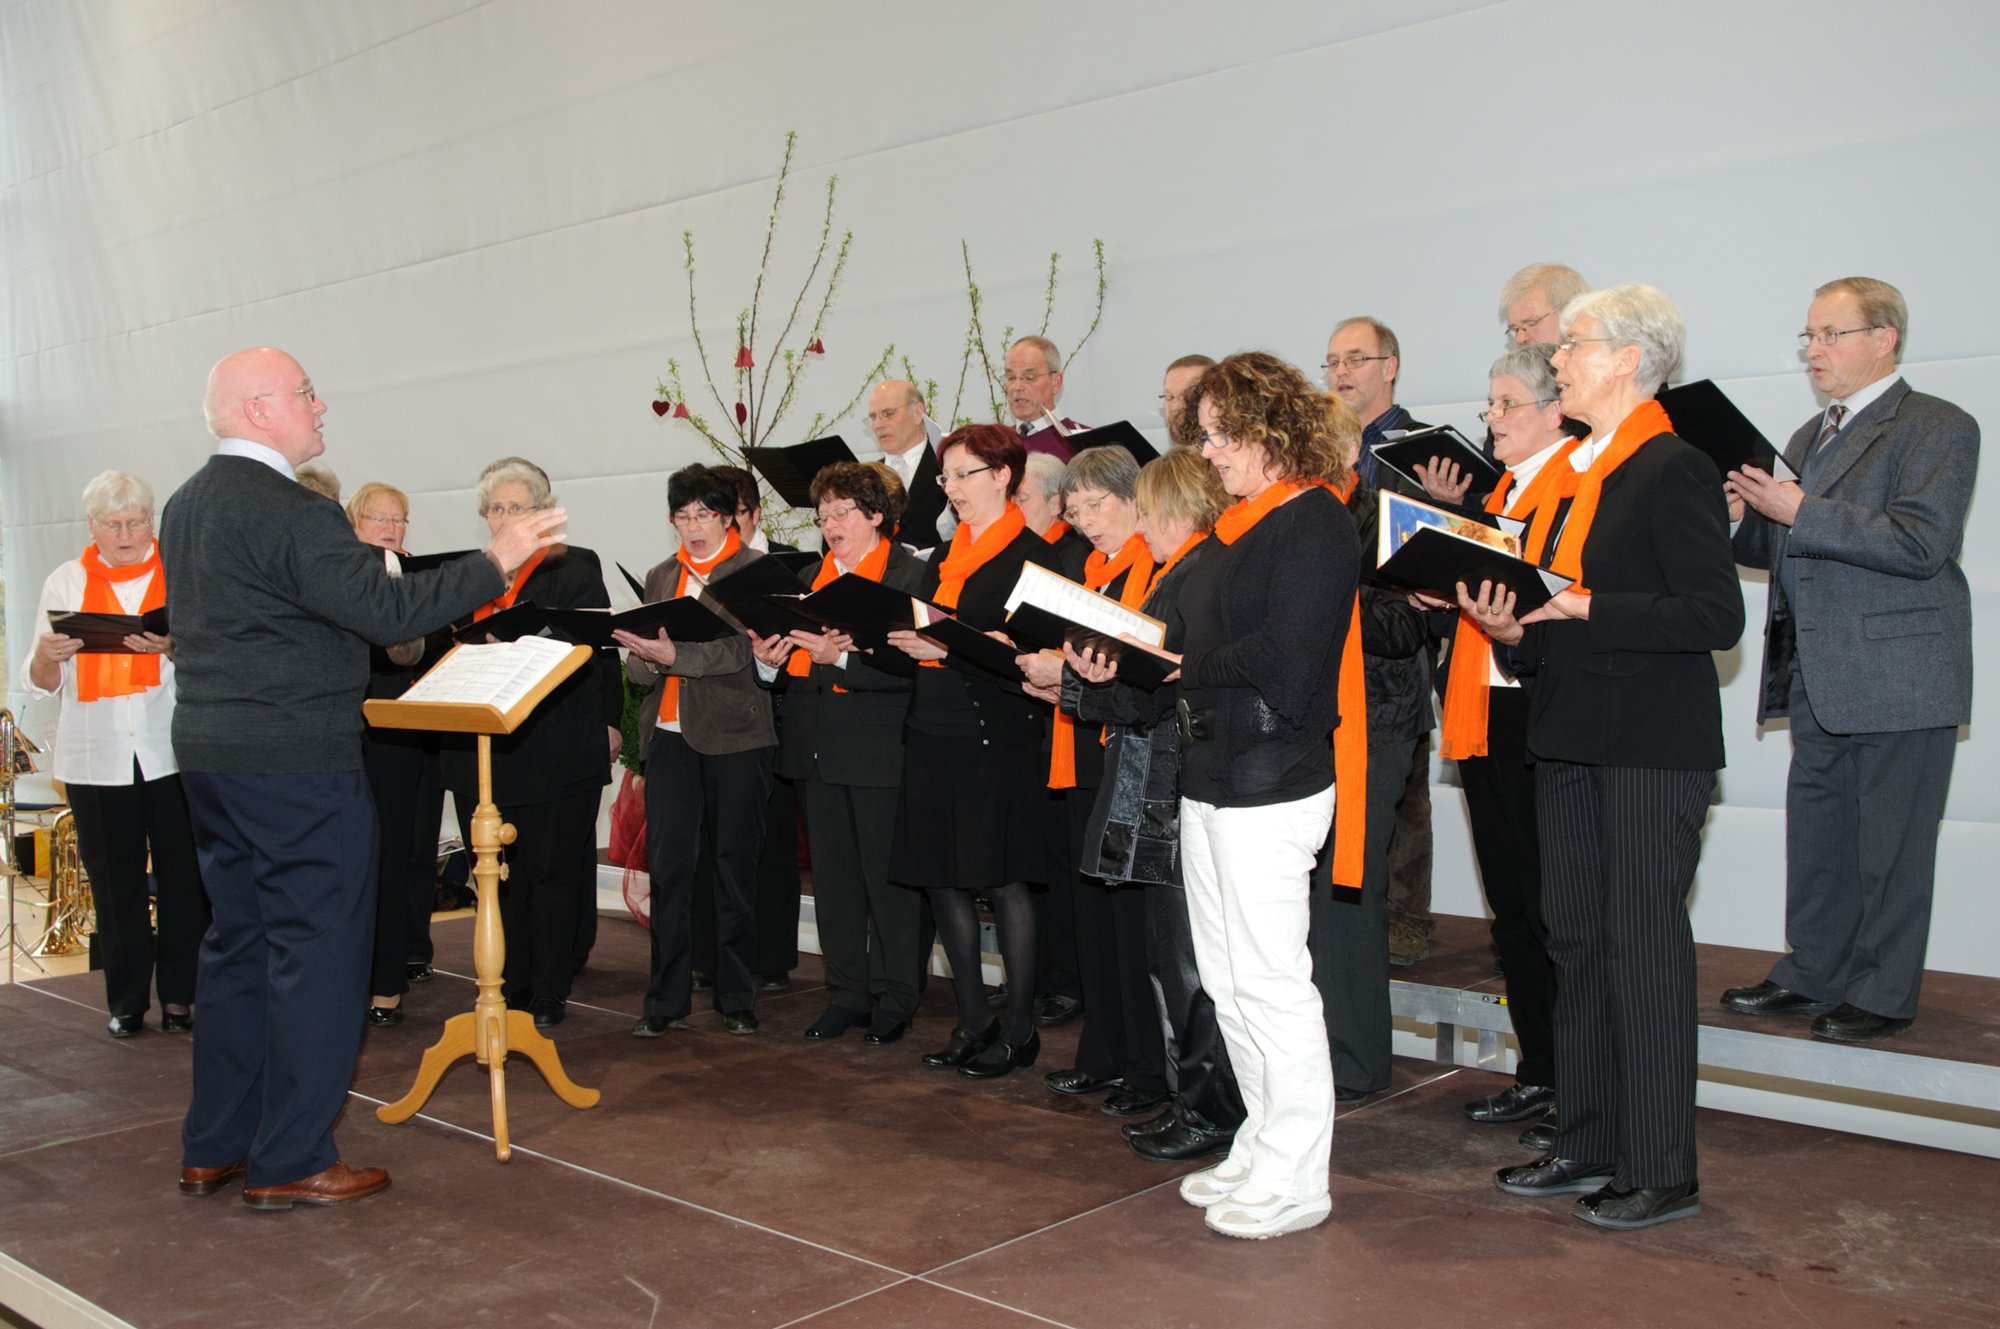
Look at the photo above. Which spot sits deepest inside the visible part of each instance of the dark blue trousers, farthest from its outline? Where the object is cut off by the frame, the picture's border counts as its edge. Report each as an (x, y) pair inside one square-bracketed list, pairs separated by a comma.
[(290, 865)]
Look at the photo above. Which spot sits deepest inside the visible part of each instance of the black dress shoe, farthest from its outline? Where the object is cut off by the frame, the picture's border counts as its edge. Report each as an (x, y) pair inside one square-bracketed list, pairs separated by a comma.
[(1345, 1097), (1001, 1057), (1182, 1142), (176, 1022), (963, 1047), (1847, 1023), (1165, 1121), (740, 1022), (1540, 1137), (1126, 1101), (1053, 1012), (1628, 1210), (549, 1012), (417, 973), (834, 1022), (1076, 1082), (125, 1026), (775, 983), (653, 1026), (1517, 1102), (703, 982), (1767, 998), (885, 1031), (384, 1017), (1554, 1176)]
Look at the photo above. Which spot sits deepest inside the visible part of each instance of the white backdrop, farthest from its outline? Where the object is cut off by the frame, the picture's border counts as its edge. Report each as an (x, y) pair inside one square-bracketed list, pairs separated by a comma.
[(464, 217)]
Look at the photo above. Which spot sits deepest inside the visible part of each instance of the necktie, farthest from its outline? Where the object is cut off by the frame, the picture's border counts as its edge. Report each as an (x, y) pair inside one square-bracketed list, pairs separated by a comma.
[(1834, 415), (1025, 431)]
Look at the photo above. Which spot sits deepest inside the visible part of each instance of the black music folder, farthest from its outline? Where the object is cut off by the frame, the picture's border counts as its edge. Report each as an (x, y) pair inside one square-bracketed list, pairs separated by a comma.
[(1422, 446), (426, 562), (1429, 549), (1119, 434), (1703, 415), (970, 650), (684, 617), (791, 470), (1037, 629), (105, 634), (638, 587)]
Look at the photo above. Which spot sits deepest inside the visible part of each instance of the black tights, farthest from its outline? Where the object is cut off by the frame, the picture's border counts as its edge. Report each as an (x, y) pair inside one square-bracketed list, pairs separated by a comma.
[(958, 929)]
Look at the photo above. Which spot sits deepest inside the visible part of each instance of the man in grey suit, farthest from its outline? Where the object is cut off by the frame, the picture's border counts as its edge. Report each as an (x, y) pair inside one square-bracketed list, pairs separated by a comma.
[(1868, 650)]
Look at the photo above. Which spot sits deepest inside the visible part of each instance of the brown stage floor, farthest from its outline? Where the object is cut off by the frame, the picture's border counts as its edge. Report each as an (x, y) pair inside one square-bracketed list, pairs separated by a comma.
[(766, 1181)]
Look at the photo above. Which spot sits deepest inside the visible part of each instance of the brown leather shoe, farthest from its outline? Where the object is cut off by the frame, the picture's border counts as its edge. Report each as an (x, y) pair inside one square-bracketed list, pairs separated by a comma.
[(208, 1180), (339, 1184)]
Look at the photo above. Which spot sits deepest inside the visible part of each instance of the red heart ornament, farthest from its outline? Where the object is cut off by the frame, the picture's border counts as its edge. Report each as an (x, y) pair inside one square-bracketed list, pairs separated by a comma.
[(660, 408), (742, 413)]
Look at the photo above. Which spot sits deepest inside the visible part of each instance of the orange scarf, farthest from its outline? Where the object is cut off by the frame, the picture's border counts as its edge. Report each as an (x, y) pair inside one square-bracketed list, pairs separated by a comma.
[(1468, 691), (966, 555), (513, 592), (102, 674), (1136, 561), (1055, 532), (872, 565), (1647, 421), (670, 695)]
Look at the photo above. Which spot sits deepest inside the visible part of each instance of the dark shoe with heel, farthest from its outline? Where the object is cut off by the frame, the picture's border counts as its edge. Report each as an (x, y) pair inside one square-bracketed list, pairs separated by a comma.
[(209, 1180), (1075, 1082), (1628, 1211), (885, 1030), (963, 1047), (125, 1026), (1129, 1102), (834, 1023), (1517, 1102), (1182, 1141), (1850, 1024), (1767, 998), (1554, 1176), (1000, 1057), (176, 1022)]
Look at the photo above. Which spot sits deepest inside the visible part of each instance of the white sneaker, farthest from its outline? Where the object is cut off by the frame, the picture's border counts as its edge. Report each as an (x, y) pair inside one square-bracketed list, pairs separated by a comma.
[(1213, 1185), (1250, 1212)]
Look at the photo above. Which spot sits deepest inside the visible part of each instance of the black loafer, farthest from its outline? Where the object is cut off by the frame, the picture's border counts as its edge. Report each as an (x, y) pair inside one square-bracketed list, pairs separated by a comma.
[(1540, 1137), (1517, 1102), (1554, 1176), (834, 1022), (417, 973), (1626, 1211), (172, 1022), (384, 1017), (740, 1022), (1129, 1102), (1053, 1012), (125, 1026), (1000, 1057), (1850, 1024), (1182, 1142), (549, 1012), (653, 1026), (1767, 998), (885, 1031), (1165, 1121), (1076, 1082), (963, 1047)]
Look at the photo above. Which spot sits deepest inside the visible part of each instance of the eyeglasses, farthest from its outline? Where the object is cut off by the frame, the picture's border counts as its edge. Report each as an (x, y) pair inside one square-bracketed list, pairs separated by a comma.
[(1501, 409), (1090, 505), (308, 393), (699, 517), (1517, 330), (1353, 360), (948, 478), (890, 413), (1829, 336), (382, 519), (136, 526), (1028, 376), (510, 509), (832, 515), (1569, 344)]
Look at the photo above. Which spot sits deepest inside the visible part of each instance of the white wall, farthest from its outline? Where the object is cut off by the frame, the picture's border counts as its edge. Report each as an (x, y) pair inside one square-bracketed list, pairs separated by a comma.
[(465, 219)]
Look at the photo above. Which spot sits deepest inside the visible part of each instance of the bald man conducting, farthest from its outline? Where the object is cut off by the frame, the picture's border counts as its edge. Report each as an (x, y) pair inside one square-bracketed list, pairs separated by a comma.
[(275, 603)]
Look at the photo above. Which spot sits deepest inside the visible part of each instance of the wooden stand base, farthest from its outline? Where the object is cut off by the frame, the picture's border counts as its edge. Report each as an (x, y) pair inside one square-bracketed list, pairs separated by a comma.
[(489, 1031)]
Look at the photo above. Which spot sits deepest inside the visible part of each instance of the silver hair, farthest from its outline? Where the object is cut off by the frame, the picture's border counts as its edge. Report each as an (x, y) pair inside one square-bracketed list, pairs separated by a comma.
[(1636, 314), (1045, 471), (514, 469), (1531, 365), (1050, 355), (319, 478), (1559, 283), (1881, 304), (115, 491), (1111, 469)]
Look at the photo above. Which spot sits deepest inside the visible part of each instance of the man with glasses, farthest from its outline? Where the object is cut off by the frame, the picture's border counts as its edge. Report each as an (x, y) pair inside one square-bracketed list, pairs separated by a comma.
[(1181, 375), (1531, 302), (908, 440), (1868, 650), (1034, 379)]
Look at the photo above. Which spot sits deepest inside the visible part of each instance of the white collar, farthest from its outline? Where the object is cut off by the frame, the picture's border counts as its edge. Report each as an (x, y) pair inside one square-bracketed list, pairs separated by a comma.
[(1865, 397), (264, 452), (1525, 473)]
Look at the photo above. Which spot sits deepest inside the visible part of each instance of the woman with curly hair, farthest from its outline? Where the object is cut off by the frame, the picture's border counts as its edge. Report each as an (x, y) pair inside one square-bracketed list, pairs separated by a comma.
[(1267, 617)]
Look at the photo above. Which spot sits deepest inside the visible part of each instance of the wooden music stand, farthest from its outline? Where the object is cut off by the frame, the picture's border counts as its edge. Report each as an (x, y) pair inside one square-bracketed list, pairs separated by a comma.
[(489, 1031)]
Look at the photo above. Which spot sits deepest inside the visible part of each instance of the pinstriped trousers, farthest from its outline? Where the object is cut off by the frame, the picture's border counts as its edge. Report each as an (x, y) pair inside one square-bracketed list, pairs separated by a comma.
[(1619, 847)]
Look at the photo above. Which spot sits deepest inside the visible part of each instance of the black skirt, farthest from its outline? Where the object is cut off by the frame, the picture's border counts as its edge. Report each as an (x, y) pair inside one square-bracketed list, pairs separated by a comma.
[(970, 815)]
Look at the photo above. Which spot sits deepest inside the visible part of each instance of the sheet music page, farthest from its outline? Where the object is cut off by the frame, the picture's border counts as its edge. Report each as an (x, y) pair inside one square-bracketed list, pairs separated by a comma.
[(1065, 599), (497, 674)]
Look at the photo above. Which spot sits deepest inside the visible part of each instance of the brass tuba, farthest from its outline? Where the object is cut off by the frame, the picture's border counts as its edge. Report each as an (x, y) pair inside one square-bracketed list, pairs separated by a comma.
[(71, 909)]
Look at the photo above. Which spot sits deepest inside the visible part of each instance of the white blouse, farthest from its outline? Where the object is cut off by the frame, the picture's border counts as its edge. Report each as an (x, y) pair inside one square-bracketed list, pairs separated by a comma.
[(96, 742)]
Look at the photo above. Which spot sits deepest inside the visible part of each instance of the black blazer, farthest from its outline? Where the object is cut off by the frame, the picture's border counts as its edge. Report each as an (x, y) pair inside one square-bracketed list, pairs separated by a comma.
[(1635, 684), (853, 737), (918, 524), (563, 746), (951, 701)]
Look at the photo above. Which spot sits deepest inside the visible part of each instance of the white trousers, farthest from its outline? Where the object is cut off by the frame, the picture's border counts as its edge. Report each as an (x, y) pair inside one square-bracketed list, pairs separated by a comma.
[(1248, 871)]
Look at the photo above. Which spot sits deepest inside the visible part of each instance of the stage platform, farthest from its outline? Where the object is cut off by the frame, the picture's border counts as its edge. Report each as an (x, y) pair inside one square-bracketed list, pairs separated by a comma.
[(767, 1181)]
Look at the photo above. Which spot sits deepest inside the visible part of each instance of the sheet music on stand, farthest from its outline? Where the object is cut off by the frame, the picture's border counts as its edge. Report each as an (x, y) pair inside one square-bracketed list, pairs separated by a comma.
[(498, 674)]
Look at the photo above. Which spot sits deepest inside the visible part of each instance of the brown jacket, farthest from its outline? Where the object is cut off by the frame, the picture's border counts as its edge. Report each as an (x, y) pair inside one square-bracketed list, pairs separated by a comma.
[(722, 710)]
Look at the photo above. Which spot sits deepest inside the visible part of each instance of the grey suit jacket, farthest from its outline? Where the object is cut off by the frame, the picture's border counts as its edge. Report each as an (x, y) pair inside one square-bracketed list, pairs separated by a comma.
[(722, 710), (1883, 625)]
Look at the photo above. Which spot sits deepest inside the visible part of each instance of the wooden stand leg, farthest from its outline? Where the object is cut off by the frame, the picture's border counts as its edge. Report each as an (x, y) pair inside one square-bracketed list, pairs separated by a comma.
[(489, 1031)]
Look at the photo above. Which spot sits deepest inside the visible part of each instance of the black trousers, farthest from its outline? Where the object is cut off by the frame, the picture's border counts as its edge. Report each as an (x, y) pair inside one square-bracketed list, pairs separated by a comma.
[(1410, 846), (421, 874), (1619, 849), (1056, 961), (395, 761), (868, 927), (1197, 1065), (551, 881), (1500, 804), (688, 792), (1347, 933), (778, 889), (1121, 1029), (115, 826)]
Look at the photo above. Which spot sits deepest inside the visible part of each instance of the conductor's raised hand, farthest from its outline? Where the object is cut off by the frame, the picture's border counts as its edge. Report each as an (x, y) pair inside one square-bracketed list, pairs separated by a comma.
[(519, 537)]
